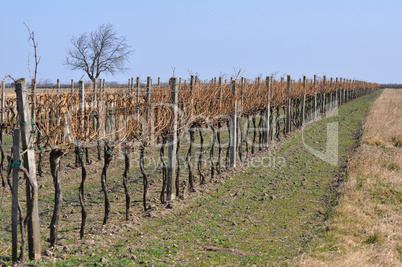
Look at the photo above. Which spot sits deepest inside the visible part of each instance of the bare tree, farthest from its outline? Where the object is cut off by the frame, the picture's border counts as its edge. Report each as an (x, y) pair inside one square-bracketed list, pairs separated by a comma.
[(100, 51)]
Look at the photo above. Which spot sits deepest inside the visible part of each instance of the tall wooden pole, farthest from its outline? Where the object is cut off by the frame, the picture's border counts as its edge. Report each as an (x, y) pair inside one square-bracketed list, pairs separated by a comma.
[(315, 96), (288, 104), (172, 146), (233, 127), (27, 139), (336, 92), (150, 111), (72, 86), (3, 88), (14, 209), (268, 111), (324, 81), (58, 86), (304, 99)]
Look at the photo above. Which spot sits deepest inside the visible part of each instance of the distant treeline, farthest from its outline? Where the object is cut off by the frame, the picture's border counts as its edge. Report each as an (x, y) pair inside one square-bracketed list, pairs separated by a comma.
[(391, 85)]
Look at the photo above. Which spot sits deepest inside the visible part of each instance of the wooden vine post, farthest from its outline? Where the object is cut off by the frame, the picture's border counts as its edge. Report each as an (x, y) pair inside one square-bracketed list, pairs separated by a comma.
[(324, 83), (55, 154), (81, 87), (220, 93), (72, 87), (233, 127), (14, 207), (268, 111), (304, 99), (191, 93), (315, 96), (150, 112), (138, 84), (34, 246), (288, 105), (329, 106), (172, 145), (336, 93), (3, 88), (58, 86), (340, 102)]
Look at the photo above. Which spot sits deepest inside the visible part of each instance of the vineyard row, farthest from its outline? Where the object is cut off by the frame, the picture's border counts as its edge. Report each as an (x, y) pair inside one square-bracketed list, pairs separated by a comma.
[(252, 114)]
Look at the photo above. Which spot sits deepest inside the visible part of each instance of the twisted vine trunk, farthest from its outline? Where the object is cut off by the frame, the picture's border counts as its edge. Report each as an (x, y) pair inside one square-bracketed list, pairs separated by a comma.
[(260, 132), (211, 153), (144, 178), (271, 118), (240, 135), (177, 182), (80, 159), (2, 155), (22, 221), (125, 182), (164, 171), (254, 136), (108, 158), (218, 137), (99, 147), (227, 162), (246, 136), (284, 120), (190, 171), (54, 159), (277, 127), (87, 160), (40, 171), (202, 177), (3, 181)]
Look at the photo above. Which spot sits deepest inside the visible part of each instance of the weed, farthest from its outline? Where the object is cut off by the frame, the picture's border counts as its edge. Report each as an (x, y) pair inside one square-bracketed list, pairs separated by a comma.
[(372, 239), (393, 167)]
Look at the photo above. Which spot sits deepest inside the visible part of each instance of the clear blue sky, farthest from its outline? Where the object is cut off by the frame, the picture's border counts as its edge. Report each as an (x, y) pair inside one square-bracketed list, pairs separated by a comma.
[(357, 39)]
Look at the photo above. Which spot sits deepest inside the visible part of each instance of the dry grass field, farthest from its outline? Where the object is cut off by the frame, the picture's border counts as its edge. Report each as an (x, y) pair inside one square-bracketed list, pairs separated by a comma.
[(366, 227)]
